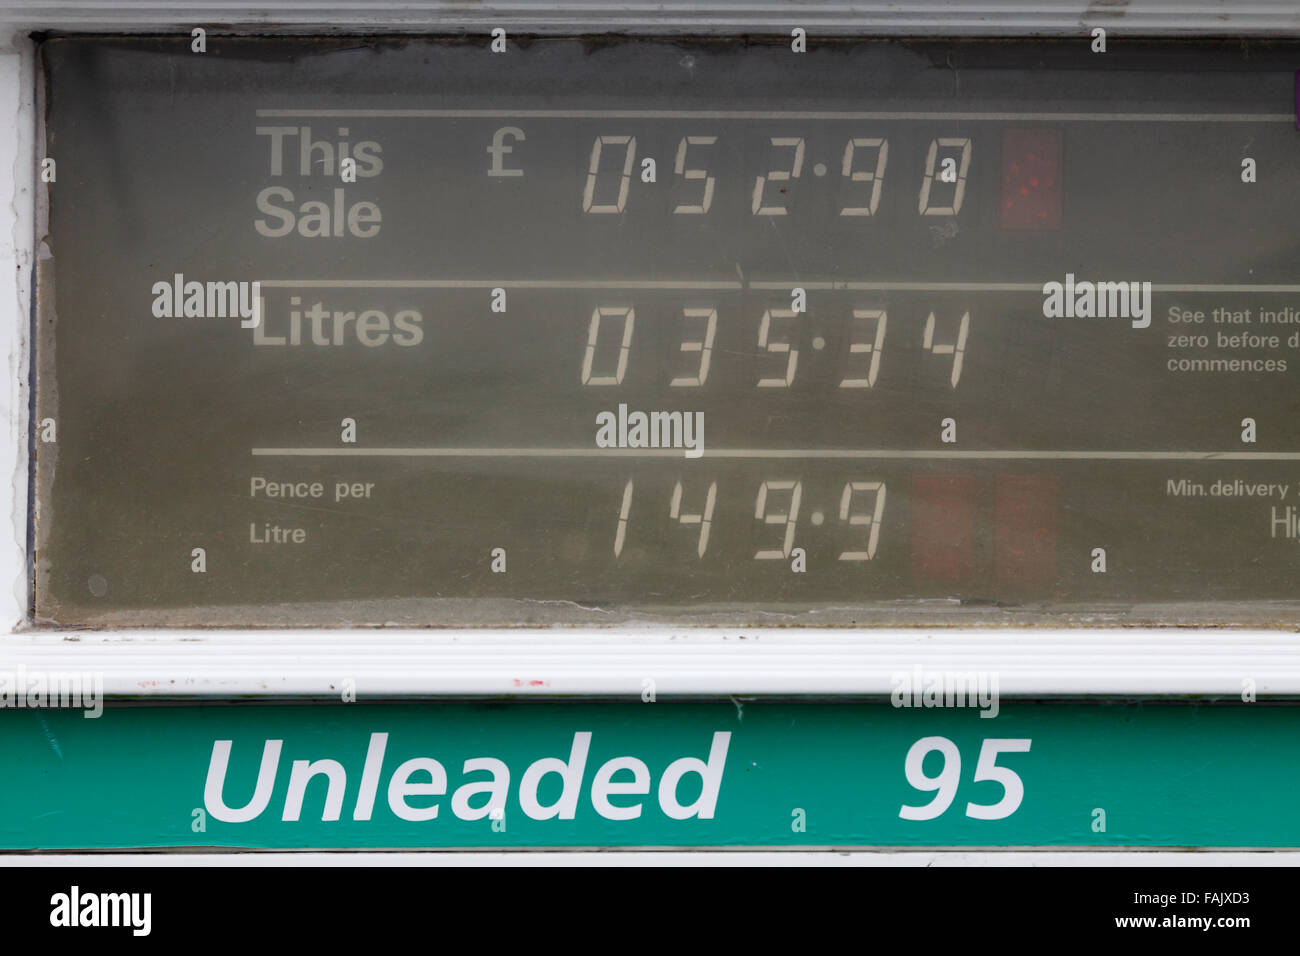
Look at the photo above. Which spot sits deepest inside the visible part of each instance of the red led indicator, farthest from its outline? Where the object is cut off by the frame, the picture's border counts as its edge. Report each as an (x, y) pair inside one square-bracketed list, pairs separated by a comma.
[(1024, 528), (1031, 179), (943, 527)]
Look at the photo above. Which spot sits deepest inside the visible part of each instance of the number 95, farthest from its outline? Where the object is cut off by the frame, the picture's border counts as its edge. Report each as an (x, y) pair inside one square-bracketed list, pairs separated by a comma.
[(945, 784)]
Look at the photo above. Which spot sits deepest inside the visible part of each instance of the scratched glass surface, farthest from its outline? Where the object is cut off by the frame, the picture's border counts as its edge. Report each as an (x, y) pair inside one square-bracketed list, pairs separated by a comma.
[(665, 331)]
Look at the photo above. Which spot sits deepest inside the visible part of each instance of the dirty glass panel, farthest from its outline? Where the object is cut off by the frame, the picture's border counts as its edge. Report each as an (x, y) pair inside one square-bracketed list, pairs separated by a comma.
[(368, 331)]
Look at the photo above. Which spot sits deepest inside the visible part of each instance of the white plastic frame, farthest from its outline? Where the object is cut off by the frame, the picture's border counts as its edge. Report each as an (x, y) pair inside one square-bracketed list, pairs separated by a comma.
[(617, 662)]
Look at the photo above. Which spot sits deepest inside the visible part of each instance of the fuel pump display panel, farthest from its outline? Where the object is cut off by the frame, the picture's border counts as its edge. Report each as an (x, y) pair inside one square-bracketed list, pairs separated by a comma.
[(367, 331)]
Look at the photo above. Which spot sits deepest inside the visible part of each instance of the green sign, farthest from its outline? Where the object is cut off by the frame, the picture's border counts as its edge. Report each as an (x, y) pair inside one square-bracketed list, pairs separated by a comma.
[(744, 774)]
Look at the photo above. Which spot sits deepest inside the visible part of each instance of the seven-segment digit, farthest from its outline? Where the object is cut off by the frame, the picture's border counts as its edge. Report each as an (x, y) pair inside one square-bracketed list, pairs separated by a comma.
[(872, 348), (778, 175), (628, 315), (871, 519), (876, 177), (959, 190), (704, 346), (706, 200), (787, 518), (956, 349), (703, 519), (593, 172)]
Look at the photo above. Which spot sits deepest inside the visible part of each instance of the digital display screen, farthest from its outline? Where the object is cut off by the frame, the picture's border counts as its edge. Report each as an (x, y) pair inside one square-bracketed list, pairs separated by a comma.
[(406, 331)]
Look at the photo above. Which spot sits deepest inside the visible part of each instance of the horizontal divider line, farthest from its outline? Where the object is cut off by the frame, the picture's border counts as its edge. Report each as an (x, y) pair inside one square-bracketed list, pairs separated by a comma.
[(711, 284), (775, 453), (788, 115), (723, 285), (851, 285)]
